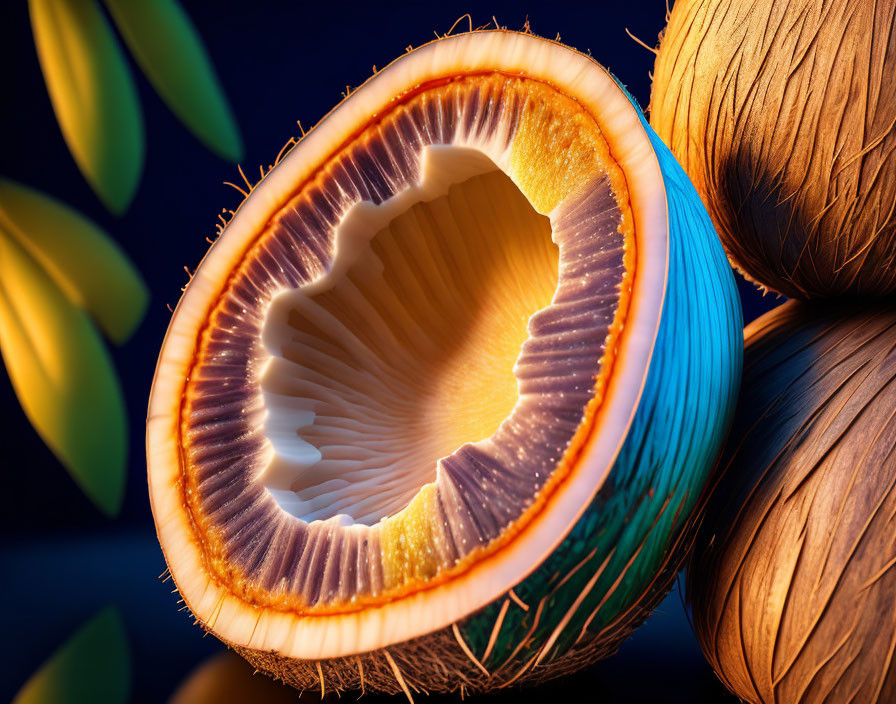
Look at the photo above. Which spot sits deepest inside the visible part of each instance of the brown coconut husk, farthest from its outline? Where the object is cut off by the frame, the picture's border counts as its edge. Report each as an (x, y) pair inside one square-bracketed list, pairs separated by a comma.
[(783, 112), (793, 574)]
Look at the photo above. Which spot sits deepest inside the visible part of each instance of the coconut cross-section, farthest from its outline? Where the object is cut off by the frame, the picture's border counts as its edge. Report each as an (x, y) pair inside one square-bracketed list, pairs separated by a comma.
[(436, 408)]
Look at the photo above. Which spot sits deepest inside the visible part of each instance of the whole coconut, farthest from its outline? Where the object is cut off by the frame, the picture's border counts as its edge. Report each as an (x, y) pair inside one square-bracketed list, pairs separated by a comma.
[(783, 113), (793, 575), (226, 678)]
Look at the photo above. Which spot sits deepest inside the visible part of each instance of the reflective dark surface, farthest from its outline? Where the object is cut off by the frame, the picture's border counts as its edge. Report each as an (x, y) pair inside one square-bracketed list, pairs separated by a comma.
[(60, 560)]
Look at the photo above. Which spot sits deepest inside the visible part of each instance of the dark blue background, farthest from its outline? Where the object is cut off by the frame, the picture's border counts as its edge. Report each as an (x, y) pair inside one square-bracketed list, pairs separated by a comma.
[(279, 62)]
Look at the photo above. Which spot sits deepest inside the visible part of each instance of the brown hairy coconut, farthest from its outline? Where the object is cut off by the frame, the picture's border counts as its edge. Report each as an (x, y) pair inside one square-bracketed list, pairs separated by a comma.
[(782, 112), (793, 575)]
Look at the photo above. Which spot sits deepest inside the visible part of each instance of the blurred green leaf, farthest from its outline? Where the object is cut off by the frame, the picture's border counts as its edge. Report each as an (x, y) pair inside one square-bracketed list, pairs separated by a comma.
[(171, 54), (83, 261), (93, 95), (92, 667), (63, 376)]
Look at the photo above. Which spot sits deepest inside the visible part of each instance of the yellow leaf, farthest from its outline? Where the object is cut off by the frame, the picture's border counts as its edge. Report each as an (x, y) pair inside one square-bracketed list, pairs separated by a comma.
[(92, 667), (63, 376), (83, 261), (93, 95)]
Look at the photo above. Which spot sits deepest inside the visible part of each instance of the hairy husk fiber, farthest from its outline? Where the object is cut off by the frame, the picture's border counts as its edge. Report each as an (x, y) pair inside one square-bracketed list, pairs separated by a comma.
[(782, 112), (792, 579)]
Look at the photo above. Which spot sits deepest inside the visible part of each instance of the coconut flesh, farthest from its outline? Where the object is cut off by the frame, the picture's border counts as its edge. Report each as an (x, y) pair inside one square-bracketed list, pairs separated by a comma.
[(420, 389), (393, 391), (782, 112), (367, 400), (791, 579)]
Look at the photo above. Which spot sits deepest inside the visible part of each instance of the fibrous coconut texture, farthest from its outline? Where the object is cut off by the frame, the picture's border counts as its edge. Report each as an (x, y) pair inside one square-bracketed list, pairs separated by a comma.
[(793, 574), (435, 411), (782, 113)]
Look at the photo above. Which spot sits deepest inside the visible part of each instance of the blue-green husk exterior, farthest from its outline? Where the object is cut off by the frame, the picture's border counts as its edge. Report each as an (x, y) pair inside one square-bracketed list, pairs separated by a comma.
[(622, 555)]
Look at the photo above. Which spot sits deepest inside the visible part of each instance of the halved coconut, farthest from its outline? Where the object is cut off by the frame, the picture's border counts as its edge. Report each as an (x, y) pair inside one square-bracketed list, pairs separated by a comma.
[(434, 411)]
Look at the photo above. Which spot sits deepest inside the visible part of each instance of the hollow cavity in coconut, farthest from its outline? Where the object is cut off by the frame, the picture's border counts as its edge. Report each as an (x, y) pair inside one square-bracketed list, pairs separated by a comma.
[(782, 113), (435, 410), (792, 579)]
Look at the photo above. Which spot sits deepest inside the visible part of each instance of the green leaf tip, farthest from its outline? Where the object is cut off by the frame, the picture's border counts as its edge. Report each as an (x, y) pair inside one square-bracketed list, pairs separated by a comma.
[(93, 95), (170, 52), (63, 376), (91, 667), (89, 267)]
